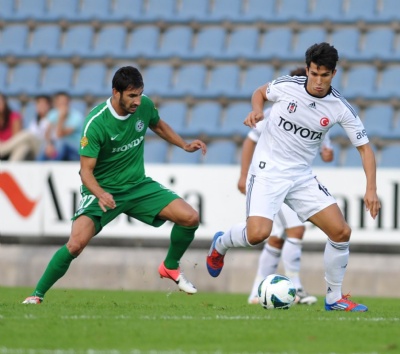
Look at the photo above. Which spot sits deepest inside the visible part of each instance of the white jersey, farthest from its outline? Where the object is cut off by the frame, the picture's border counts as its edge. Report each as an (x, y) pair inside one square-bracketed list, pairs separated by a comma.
[(297, 125)]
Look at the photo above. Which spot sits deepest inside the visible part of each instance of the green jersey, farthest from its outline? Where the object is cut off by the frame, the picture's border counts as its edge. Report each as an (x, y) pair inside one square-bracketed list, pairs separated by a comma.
[(117, 144)]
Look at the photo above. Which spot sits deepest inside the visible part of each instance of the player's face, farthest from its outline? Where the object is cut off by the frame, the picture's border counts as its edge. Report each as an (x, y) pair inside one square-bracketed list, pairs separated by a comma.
[(319, 80), (128, 101)]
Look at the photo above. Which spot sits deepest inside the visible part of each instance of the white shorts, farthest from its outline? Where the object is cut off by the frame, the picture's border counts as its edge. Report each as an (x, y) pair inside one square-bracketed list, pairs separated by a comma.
[(306, 197), (285, 219)]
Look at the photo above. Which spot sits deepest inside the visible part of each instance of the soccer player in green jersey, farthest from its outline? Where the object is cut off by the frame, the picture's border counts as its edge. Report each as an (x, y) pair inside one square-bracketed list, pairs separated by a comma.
[(114, 181)]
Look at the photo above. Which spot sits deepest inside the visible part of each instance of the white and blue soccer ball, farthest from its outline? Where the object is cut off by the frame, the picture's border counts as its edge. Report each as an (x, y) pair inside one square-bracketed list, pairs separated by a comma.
[(276, 292)]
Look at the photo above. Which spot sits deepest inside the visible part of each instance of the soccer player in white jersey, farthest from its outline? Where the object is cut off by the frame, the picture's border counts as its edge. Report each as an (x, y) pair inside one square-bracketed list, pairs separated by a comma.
[(304, 109), (287, 231)]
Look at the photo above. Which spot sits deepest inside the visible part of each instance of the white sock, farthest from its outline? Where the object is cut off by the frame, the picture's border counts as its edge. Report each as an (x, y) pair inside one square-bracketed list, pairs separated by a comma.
[(291, 257), (235, 237), (336, 257), (267, 264)]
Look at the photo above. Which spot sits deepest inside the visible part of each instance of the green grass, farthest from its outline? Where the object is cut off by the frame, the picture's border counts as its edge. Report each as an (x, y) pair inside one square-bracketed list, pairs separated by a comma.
[(89, 321)]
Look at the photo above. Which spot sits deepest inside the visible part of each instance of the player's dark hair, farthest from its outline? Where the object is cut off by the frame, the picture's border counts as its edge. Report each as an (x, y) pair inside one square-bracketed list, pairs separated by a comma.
[(298, 72), (126, 78), (322, 54)]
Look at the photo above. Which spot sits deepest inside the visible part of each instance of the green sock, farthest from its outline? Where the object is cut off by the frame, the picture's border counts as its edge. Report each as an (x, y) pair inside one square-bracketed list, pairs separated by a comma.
[(56, 268), (181, 238)]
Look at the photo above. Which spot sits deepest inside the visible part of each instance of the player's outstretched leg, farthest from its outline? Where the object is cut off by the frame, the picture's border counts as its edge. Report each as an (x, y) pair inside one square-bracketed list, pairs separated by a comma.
[(178, 277), (344, 304), (215, 260)]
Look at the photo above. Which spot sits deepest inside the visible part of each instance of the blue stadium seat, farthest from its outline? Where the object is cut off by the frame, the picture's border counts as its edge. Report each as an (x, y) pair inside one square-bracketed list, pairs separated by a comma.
[(378, 44), (28, 113), (174, 113), (158, 79), (361, 82), (204, 119), (180, 156), (45, 41), (91, 79), (337, 132), (13, 40), (305, 38), (61, 9), (80, 106), (3, 74), (318, 162), (210, 43), (94, 10), (352, 157), (155, 151), (347, 42), (176, 41), (190, 80), (358, 10), (292, 10), (193, 10), (242, 43), (378, 121), (232, 124), (259, 10), (326, 11), (24, 79), (254, 77), (390, 157), (7, 9), (78, 41), (388, 86), (224, 81), (57, 77), (120, 13), (109, 42), (28, 9), (276, 44), (388, 11), (160, 10), (224, 10), (143, 41), (221, 152)]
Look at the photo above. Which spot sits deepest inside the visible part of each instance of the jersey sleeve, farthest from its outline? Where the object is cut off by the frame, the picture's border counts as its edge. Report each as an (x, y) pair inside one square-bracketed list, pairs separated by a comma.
[(154, 116), (354, 128), (90, 141), (276, 88)]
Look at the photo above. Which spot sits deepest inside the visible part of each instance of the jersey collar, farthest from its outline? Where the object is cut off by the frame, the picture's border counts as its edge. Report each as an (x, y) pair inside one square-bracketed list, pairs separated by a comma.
[(328, 93), (114, 113)]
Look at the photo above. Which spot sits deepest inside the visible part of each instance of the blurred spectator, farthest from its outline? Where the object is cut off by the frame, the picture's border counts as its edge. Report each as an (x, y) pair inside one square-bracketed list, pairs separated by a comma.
[(63, 132)]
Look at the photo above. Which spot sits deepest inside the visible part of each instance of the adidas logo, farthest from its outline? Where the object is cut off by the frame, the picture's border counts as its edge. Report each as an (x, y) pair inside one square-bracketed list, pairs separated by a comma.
[(329, 290), (312, 105)]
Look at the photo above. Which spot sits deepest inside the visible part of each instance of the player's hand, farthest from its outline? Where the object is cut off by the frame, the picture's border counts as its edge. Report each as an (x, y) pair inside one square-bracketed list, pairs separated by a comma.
[(196, 145), (326, 154), (253, 118), (372, 203), (106, 200), (242, 184)]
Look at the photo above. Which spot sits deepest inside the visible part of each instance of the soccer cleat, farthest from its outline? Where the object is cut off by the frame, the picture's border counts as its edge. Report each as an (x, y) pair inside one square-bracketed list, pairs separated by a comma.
[(177, 276), (35, 300), (302, 297), (215, 260), (344, 304), (253, 301)]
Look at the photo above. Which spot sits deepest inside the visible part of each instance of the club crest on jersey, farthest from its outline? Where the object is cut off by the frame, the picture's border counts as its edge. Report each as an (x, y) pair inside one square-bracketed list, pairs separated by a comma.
[(84, 142), (292, 107), (261, 164), (324, 121), (139, 125)]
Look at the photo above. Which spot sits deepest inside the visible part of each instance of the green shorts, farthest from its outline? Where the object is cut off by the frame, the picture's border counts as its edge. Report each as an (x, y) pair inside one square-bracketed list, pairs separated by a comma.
[(142, 202)]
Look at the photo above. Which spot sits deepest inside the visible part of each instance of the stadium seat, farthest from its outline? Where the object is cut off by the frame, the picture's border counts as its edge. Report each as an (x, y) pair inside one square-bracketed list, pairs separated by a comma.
[(360, 10), (28, 9), (225, 10), (304, 39), (190, 80), (110, 42), (57, 77), (360, 82), (390, 156), (143, 41), (388, 11), (221, 152), (388, 86), (94, 10), (352, 157), (318, 162), (378, 44), (90, 80), (209, 43), (275, 44), (7, 9), (224, 81), (259, 10), (254, 77), (155, 151), (28, 113), (180, 156), (24, 78), (232, 124), (80, 106), (193, 10), (326, 11), (135, 12), (378, 121), (3, 74), (160, 10), (62, 10), (158, 79), (45, 41), (204, 118), (347, 42), (13, 40), (242, 43), (176, 41), (78, 41), (292, 10), (174, 113)]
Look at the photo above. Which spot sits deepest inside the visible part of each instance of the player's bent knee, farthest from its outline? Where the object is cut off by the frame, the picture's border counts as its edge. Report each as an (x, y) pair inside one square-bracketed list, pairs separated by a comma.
[(342, 235)]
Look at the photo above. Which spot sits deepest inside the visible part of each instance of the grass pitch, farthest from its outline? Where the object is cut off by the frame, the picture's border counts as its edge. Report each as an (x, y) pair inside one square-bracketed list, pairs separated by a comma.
[(100, 322)]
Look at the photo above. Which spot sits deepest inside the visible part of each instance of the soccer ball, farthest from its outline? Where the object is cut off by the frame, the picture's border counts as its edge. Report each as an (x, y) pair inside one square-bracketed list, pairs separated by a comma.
[(276, 292)]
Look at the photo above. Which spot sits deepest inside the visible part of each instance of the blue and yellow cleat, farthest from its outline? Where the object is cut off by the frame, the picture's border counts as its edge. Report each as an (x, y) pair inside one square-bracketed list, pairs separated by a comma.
[(344, 304), (215, 260)]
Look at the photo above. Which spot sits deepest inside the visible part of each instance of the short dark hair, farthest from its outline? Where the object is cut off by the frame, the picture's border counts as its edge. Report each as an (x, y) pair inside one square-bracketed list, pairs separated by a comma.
[(298, 72), (127, 77), (322, 54), (44, 97)]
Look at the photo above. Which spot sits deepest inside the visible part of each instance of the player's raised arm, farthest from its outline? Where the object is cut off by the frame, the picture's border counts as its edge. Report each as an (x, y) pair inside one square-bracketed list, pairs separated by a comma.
[(258, 99)]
